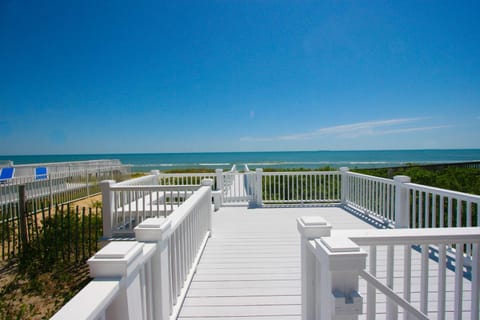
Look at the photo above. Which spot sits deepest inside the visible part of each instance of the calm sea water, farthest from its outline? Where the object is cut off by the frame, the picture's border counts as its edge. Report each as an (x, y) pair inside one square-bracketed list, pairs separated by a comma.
[(304, 159)]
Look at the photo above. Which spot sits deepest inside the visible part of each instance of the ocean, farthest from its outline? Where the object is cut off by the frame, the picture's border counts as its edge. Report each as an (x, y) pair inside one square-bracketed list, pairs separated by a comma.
[(142, 162)]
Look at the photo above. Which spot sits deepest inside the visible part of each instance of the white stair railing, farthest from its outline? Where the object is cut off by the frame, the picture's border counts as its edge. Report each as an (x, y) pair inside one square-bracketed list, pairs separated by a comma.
[(147, 278), (127, 205), (440, 272)]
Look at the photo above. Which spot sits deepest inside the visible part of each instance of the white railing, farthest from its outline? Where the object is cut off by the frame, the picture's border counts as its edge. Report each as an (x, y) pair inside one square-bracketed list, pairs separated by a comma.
[(238, 186), (104, 167), (431, 207), (147, 278), (370, 195), (56, 187), (395, 203), (190, 226), (456, 278), (402, 204), (127, 205), (146, 180), (301, 187), (228, 178), (427, 275), (185, 178)]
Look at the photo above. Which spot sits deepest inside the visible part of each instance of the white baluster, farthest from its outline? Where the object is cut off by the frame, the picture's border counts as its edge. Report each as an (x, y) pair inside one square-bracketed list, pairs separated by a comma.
[(424, 280)]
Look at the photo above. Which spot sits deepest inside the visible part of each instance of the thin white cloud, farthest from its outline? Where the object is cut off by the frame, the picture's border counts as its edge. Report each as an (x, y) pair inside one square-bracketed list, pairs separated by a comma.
[(257, 139), (354, 130), (404, 130)]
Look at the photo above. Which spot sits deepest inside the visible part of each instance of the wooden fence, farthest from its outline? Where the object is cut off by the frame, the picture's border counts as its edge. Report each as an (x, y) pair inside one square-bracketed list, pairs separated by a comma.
[(50, 235)]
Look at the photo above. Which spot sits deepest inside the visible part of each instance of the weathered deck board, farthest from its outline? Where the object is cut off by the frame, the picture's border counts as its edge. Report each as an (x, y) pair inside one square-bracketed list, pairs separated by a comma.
[(251, 266)]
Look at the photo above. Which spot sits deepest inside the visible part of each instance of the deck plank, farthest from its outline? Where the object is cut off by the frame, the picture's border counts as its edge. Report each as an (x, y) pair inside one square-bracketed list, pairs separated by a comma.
[(250, 268)]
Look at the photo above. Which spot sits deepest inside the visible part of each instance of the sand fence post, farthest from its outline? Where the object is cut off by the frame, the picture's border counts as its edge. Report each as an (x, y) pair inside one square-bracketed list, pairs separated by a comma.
[(22, 216)]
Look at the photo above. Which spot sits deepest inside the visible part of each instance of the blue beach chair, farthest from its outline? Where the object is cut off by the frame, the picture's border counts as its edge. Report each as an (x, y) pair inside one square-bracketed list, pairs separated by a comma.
[(41, 173), (6, 174)]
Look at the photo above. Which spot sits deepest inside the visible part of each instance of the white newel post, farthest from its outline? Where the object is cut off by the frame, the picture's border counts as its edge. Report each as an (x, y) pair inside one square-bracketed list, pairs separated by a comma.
[(258, 187), (340, 261), (344, 191), (310, 228), (219, 175), (121, 260), (402, 214), (209, 183), (155, 174), (218, 194), (107, 207), (157, 230)]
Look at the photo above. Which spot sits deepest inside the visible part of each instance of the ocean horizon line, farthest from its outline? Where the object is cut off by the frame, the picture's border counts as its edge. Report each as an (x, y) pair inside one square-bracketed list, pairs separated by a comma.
[(223, 152), (276, 159)]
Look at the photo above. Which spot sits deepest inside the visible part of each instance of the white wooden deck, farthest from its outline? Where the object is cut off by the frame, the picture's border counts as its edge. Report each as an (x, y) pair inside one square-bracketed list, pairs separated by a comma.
[(251, 266)]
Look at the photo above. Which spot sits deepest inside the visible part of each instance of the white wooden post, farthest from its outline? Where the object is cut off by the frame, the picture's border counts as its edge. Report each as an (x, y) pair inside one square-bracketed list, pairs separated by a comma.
[(155, 174), (209, 183), (339, 262), (258, 187), (344, 191), (218, 194), (121, 260), (402, 214), (158, 230), (219, 175), (310, 228), (217, 199), (107, 207)]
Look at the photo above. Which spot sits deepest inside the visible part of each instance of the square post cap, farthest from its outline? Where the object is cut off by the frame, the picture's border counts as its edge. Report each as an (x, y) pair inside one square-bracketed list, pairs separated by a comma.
[(340, 254), (207, 182), (313, 227), (117, 259), (402, 179), (153, 229)]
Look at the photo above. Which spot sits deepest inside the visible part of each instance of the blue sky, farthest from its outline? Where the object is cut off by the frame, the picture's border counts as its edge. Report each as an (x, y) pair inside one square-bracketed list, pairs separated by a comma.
[(180, 76)]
